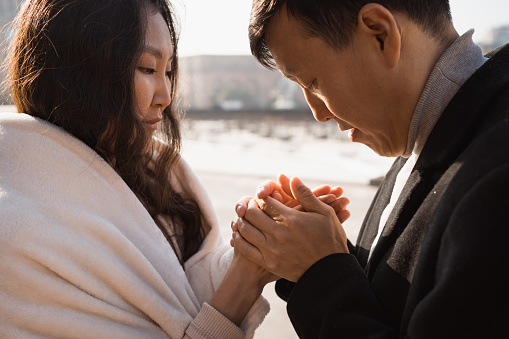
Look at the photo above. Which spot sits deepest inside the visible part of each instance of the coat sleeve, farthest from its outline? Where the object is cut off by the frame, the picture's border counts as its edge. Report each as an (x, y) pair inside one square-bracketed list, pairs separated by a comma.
[(210, 324), (334, 299)]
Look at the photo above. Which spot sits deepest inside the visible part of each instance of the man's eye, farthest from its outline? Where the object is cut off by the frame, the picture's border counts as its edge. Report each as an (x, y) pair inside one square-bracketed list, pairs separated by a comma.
[(312, 86)]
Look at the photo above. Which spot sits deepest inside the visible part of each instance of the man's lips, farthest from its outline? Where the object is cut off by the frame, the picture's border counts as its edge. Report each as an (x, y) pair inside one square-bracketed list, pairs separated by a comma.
[(350, 129), (353, 134), (344, 128)]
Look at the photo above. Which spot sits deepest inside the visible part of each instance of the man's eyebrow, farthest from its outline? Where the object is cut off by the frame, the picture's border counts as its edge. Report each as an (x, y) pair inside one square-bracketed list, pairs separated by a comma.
[(156, 52), (288, 73)]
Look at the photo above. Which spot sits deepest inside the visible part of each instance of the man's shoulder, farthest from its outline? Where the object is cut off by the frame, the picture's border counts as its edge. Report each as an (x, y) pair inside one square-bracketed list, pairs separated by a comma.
[(496, 50)]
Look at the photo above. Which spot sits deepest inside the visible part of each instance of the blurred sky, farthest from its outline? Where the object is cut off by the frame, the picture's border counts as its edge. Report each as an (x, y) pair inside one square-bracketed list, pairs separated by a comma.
[(220, 26)]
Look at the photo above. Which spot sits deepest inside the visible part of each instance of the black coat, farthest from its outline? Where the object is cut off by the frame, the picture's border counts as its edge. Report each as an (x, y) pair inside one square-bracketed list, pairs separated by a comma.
[(440, 267)]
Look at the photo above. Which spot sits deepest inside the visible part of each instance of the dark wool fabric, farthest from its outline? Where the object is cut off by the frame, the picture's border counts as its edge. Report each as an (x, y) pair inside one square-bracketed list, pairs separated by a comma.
[(438, 270)]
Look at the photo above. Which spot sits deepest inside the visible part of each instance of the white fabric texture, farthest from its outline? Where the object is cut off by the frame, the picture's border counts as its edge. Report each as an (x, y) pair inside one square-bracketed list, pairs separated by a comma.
[(80, 255)]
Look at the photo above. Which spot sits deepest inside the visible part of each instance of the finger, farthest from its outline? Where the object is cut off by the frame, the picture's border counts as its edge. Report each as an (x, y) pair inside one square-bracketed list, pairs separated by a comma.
[(259, 218), (337, 204), (340, 204), (337, 191), (247, 249), (306, 198), (269, 188), (234, 225), (284, 182), (241, 206), (343, 216), (251, 234), (280, 212), (277, 195), (321, 190), (328, 199), (235, 228), (273, 210), (292, 203)]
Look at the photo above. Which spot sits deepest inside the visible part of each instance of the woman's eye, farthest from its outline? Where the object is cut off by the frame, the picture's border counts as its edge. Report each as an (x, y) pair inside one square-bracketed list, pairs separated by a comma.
[(147, 70)]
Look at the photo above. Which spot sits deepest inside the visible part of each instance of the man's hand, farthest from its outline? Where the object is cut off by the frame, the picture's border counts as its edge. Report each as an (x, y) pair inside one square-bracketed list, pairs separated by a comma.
[(285, 240), (282, 192)]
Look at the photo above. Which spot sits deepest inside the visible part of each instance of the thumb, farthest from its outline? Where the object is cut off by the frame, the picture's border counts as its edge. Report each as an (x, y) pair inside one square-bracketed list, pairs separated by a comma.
[(305, 196)]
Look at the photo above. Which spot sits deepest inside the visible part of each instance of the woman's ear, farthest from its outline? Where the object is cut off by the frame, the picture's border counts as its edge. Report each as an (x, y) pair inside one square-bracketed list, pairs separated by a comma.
[(381, 29)]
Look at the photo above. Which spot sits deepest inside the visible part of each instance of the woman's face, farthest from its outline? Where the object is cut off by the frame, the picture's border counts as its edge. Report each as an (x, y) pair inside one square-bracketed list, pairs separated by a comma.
[(152, 77)]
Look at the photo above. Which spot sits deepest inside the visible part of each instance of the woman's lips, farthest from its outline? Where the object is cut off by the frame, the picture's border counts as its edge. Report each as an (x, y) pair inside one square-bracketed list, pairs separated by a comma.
[(152, 124)]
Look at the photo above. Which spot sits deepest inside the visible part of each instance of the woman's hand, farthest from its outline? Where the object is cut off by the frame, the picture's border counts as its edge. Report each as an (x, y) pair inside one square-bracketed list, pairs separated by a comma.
[(252, 271), (241, 287)]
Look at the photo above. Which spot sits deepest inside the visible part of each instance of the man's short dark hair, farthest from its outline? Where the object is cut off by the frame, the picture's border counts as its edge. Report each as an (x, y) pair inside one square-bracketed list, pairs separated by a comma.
[(334, 20)]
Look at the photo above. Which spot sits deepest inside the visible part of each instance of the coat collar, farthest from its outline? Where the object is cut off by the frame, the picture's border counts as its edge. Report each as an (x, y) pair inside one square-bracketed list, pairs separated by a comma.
[(462, 116), (462, 59)]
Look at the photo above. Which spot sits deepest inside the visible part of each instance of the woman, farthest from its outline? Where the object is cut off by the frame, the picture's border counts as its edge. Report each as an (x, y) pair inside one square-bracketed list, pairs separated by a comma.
[(104, 229)]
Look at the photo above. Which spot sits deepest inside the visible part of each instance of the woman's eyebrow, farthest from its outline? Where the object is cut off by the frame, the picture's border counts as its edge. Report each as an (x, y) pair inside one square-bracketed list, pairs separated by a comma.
[(156, 52)]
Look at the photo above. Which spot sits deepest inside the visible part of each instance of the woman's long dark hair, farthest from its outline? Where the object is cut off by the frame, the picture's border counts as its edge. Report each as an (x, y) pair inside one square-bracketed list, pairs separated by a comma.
[(72, 63)]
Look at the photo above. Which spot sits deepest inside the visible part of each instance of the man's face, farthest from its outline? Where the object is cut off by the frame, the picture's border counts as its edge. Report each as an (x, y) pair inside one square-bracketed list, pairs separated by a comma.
[(352, 87)]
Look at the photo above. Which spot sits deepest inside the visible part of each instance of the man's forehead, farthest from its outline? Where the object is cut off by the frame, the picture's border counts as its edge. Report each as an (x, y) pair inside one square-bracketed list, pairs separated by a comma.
[(282, 23), (285, 42)]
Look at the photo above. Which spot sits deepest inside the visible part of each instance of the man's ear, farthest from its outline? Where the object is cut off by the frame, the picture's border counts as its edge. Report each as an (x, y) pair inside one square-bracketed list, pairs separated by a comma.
[(381, 29)]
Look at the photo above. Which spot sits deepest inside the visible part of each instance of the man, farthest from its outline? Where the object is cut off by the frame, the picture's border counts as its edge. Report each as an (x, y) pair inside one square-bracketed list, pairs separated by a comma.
[(429, 259)]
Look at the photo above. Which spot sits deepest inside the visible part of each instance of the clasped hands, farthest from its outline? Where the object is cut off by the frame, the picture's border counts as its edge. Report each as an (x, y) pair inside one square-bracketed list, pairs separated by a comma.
[(287, 227)]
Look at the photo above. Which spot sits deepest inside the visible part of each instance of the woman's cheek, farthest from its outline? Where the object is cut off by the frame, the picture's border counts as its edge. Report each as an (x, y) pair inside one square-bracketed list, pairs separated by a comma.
[(142, 90)]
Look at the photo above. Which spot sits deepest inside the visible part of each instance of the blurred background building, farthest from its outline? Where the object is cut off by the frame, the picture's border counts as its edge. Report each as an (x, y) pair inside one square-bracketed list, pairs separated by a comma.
[(8, 9), (235, 82), (226, 82), (495, 38), (209, 82)]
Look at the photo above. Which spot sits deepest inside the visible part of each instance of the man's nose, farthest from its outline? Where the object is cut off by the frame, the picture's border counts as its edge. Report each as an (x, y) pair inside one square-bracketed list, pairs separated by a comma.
[(318, 107)]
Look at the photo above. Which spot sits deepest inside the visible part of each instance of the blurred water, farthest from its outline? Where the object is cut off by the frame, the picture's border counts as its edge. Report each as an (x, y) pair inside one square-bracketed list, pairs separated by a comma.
[(308, 149), (265, 147)]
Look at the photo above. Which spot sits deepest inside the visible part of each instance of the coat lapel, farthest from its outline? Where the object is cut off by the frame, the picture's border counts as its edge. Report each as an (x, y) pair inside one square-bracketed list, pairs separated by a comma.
[(369, 227)]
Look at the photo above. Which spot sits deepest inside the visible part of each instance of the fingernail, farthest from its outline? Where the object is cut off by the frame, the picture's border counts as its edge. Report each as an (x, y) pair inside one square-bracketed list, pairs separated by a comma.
[(237, 208), (296, 182), (259, 190)]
